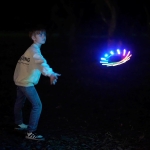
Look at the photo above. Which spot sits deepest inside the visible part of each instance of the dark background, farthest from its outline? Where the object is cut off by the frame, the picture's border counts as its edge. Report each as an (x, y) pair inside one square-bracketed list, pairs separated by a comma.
[(88, 96)]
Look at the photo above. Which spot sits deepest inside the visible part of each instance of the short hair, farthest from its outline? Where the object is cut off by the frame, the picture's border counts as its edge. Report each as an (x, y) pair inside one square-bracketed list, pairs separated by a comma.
[(36, 30)]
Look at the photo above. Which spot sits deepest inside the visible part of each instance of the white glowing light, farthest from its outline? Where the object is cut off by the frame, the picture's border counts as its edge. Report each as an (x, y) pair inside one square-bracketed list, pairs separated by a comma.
[(118, 51), (124, 52)]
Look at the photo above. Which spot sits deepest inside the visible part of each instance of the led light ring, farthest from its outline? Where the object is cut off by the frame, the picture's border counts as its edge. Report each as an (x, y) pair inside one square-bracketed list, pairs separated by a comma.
[(106, 57), (119, 62)]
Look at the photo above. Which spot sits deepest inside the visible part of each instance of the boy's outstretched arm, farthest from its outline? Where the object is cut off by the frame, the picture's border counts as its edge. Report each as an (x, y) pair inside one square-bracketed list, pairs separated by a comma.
[(45, 69)]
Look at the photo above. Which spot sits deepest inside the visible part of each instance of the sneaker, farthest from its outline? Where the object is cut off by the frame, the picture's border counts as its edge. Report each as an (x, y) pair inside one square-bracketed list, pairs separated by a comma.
[(34, 136), (21, 127)]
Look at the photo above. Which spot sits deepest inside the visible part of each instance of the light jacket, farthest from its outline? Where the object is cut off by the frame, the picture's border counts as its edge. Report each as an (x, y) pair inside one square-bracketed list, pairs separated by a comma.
[(30, 66)]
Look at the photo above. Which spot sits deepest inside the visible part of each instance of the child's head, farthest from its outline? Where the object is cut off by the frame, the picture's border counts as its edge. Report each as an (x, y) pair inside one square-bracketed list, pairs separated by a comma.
[(38, 35)]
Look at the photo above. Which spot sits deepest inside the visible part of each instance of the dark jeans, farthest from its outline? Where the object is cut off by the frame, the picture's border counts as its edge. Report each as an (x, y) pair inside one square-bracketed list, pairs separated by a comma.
[(31, 94)]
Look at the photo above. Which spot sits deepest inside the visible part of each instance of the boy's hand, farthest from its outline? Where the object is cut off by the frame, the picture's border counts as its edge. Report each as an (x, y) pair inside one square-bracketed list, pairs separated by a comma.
[(54, 77)]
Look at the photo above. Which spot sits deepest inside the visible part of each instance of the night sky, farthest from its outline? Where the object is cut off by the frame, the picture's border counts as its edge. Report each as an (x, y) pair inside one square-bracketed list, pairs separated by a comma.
[(23, 15)]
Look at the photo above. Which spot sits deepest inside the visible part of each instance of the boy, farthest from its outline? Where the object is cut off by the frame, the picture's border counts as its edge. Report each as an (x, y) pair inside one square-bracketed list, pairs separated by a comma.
[(27, 73)]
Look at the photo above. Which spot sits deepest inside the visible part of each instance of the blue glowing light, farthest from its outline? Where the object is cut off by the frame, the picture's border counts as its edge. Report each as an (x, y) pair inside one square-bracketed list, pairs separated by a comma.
[(125, 56), (103, 58), (106, 55), (111, 52)]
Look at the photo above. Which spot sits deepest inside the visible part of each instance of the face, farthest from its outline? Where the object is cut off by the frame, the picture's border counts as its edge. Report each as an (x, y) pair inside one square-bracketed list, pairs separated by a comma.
[(39, 38)]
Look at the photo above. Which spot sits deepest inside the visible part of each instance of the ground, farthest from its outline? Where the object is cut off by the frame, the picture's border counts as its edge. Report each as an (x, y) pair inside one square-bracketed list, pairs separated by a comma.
[(91, 107)]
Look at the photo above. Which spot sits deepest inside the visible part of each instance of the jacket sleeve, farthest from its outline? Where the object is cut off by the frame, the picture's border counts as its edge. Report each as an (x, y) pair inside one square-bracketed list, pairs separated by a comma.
[(42, 65)]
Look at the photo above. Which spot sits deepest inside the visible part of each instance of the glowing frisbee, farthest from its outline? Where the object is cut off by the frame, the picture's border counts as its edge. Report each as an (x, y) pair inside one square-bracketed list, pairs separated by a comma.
[(116, 58)]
